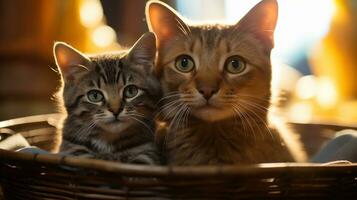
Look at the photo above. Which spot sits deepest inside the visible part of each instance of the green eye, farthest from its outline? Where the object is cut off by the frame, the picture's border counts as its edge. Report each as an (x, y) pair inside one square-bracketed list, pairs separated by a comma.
[(235, 65), (95, 96), (131, 91), (184, 63)]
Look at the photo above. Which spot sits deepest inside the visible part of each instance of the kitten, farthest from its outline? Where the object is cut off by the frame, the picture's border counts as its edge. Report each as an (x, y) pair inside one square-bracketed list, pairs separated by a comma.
[(216, 84), (109, 101)]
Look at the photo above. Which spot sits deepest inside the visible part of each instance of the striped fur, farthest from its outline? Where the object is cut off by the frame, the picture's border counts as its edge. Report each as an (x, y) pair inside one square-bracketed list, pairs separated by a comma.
[(214, 116), (116, 128)]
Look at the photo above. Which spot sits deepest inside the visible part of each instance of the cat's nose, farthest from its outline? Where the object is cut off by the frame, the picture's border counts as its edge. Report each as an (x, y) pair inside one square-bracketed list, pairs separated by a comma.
[(207, 92), (115, 112)]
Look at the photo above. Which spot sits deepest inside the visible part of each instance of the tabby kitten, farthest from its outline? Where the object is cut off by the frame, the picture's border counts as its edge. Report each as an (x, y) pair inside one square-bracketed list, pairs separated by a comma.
[(216, 84), (109, 101)]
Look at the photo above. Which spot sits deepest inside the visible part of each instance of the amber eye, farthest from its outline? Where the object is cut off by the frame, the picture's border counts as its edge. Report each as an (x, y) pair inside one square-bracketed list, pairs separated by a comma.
[(95, 96), (235, 65), (131, 91), (184, 63)]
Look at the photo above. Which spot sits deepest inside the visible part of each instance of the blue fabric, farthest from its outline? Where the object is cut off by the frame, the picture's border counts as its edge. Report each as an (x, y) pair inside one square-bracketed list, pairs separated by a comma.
[(33, 150), (36, 150), (342, 147)]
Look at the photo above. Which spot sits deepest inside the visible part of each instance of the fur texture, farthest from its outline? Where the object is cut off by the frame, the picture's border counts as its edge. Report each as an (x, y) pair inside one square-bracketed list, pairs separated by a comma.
[(109, 101), (216, 83)]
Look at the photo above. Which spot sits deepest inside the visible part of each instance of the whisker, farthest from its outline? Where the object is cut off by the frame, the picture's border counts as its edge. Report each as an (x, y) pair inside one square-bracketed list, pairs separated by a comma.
[(141, 122), (137, 114), (237, 112), (259, 108), (259, 117), (174, 124), (246, 120), (175, 118), (167, 97), (168, 109), (254, 97)]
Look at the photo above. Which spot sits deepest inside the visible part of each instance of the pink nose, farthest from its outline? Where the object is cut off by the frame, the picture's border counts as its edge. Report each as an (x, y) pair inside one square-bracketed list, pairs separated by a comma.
[(207, 92)]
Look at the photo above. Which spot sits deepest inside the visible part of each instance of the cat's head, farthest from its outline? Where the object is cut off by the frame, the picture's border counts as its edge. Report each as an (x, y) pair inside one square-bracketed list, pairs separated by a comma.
[(110, 91), (216, 71)]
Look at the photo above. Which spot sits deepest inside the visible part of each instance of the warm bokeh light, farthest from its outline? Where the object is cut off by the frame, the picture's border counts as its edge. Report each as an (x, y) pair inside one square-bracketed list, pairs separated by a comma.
[(91, 13), (326, 94), (301, 112), (103, 36), (347, 112), (300, 23), (306, 87), (284, 77)]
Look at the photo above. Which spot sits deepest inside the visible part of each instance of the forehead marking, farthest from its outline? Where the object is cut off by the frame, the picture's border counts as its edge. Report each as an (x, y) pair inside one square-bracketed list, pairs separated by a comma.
[(118, 74)]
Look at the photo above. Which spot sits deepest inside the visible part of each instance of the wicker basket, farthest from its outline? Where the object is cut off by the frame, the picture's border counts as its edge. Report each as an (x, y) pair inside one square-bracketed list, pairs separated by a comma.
[(29, 176)]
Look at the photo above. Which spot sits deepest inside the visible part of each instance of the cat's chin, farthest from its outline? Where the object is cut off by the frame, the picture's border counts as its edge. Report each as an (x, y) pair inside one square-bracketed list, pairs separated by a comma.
[(211, 114), (114, 126)]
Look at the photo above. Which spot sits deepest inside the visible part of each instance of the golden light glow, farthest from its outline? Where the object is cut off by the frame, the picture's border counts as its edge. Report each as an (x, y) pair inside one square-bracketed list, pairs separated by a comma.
[(347, 112), (91, 13), (300, 21), (306, 87), (326, 95), (301, 112), (104, 36)]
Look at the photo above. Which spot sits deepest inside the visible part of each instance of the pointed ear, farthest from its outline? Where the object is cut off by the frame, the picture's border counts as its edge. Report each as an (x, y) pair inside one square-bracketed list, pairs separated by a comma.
[(144, 50), (261, 21), (164, 21), (70, 61)]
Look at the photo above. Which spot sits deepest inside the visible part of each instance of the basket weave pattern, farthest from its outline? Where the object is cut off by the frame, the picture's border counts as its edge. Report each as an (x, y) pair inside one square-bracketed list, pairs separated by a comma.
[(32, 176)]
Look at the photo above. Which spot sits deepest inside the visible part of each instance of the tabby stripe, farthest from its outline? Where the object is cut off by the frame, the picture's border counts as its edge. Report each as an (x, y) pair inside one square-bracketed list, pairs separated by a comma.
[(74, 140), (105, 80), (101, 72), (75, 104), (129, 142), (98, 83), (118, 76), (124, 79), (143, 147), (191, 48)]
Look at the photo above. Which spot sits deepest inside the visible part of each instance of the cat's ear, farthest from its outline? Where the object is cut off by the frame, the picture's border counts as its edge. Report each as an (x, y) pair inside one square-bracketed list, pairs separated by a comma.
[(71, 62), (164, 21), (144, 50), (261, 20)]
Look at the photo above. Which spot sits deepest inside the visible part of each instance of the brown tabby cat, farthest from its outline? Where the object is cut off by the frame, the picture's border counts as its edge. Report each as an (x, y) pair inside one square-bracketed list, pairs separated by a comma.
[(216, 83), (109, 101)]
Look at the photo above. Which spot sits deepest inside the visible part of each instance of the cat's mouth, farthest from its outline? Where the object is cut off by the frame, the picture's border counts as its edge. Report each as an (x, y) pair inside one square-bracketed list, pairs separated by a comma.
[(210, 113), (115, 125), (207, 106)]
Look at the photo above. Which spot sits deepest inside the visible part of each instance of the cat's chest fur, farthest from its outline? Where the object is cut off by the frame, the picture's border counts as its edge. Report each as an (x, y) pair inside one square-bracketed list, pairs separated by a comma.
[(225, 143)]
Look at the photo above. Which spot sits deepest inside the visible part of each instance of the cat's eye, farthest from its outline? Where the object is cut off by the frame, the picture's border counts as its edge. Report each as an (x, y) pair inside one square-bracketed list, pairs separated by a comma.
[(95, 96), (184, 63), (235, 65), (131, 91)]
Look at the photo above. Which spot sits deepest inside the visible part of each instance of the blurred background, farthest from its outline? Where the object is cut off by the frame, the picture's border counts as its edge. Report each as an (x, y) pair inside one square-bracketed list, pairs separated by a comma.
[(314, 61)]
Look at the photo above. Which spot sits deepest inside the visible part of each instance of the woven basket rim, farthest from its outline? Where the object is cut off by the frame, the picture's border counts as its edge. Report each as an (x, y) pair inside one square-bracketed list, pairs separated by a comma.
[(164, 171), (29, 119), (181, 171), (50, 116)]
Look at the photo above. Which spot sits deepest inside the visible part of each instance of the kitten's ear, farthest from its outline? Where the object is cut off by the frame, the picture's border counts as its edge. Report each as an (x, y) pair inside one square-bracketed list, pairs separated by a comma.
[(261, 21), (144, 50), (70, 61), (164, 21)]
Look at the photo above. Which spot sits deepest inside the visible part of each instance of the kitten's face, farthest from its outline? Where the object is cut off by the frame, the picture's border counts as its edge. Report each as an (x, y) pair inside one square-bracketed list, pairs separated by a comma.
[(216, 71), (112, 92), (111, 96)]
